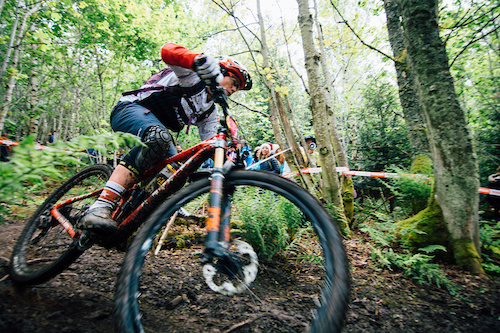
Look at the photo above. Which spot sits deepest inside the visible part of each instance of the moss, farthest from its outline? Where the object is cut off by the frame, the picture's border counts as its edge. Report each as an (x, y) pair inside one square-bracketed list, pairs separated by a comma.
[(425, 228), (431, 222), (466, 255), (389, 302), (340, 218), (422, 164), (348, 197)]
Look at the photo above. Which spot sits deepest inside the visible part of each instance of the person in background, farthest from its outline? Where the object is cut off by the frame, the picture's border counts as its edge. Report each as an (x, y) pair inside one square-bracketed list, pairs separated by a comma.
[(255, 159), (495, 177), (231, 152), (4, 149), (246, 152), (311, 149), (175, 97), (284, 168), (272, 164), (494, 183)]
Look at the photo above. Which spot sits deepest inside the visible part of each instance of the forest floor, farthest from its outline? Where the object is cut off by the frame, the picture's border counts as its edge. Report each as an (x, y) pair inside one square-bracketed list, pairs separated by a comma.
[(81, 298)]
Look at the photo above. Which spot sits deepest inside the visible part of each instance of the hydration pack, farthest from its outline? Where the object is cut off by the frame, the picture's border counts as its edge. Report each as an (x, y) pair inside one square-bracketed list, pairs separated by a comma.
[(165, 101)]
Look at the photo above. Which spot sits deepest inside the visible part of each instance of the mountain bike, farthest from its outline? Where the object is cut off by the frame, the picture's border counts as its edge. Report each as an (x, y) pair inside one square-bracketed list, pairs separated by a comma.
[(53, 239)]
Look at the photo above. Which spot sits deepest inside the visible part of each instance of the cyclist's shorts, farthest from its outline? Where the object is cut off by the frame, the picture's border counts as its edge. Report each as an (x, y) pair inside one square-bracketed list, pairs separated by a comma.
[(130, 117)]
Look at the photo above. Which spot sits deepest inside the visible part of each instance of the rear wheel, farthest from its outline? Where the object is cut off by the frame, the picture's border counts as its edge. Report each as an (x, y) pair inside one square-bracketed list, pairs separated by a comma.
[(44, 248), (306, 290)]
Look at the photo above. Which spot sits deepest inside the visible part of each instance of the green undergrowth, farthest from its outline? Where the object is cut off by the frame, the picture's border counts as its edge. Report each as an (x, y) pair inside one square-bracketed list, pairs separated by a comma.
[(490, 240), (388, 251), (31, 174), (393, 244), (274, 226)]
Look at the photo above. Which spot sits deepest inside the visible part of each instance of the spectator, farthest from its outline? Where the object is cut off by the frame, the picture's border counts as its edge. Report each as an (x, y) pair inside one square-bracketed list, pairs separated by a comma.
[(495, 177), (246, 152), (494, 183), (4, 150), (255, 159), (50, 139), (231, 152), (284, 168), (311, 149), (93, 155), (270, 164)]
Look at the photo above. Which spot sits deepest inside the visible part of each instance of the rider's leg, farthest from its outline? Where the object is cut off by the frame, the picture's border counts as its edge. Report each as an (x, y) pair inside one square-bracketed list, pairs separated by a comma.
[(158, 146)]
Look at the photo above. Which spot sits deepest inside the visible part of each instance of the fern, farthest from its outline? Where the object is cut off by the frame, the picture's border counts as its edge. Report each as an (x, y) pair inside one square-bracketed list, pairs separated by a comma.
[(29, 169), (416, 266), (274, 226), (490, 240)]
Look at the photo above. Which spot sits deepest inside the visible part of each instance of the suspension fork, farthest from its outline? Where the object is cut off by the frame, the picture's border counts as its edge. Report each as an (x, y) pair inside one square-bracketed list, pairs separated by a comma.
[(217, 204)]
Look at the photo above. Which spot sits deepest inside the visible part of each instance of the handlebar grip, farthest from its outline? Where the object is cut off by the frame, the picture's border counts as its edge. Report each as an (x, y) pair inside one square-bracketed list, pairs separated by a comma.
[(218, 92), (199, 61)]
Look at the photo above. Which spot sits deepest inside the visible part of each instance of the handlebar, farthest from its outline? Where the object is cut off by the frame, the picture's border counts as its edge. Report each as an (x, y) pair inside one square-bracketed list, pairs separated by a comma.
[(217, 93), (219, 97)]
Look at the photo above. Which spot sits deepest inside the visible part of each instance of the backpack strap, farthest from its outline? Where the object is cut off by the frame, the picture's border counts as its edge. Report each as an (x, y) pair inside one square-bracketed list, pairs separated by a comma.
[(175, 90), (152, 85), (194, 116)]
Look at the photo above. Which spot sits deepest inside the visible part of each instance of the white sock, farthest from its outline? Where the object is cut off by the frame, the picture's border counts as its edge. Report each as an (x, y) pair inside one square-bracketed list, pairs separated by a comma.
[(110, 196)]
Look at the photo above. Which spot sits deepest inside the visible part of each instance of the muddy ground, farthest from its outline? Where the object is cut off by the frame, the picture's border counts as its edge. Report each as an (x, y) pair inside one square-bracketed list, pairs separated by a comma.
[(81, 298)]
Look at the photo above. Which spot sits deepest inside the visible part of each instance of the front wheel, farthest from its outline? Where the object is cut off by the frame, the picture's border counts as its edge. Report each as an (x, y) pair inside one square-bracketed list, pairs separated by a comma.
[(44, 248), (305, 287)]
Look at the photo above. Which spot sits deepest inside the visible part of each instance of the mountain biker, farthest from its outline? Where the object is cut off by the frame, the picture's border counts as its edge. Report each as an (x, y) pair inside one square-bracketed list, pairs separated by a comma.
[(150, 114)]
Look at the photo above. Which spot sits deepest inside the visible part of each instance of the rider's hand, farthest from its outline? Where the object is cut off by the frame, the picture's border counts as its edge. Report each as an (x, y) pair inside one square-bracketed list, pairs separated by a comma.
[(208, 69)]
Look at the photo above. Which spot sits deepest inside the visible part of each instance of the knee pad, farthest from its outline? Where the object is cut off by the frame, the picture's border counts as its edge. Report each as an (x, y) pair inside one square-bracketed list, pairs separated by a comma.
[(158, 141)]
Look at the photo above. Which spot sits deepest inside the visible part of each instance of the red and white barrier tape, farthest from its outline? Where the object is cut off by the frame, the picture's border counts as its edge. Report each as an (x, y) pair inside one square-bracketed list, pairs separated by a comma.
[(341, 170), (346, 171), (14, 143), (489, 191)]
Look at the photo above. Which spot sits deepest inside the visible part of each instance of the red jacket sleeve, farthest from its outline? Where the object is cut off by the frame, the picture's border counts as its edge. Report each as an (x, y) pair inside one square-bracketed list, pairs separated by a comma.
[(176, 55)]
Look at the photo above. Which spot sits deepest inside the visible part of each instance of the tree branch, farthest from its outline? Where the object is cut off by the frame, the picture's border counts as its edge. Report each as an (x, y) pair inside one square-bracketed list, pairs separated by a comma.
[(357, 36), (472, 41), (249, 108)]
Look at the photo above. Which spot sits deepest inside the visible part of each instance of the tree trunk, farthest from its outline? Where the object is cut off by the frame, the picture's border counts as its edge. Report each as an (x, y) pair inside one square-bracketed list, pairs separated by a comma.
[(100, 73), (277, 109), (1, 5), (320, 111), (413, 115), (33, 97), (287, 128), (10, 47), (455, 169), (347, 187), (35, 119), (15, 58)]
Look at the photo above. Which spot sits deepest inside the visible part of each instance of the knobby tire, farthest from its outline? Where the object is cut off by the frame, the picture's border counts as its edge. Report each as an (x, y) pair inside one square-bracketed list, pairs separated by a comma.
[(334, 294), (44, 249)]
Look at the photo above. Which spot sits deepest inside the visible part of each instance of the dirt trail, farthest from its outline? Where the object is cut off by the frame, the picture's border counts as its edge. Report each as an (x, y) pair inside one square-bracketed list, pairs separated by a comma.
[(81, 299)]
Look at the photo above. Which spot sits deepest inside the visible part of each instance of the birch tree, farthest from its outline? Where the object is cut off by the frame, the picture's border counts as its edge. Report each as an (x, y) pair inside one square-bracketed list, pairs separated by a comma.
[(320, 110), (347, 187), (15, 59)]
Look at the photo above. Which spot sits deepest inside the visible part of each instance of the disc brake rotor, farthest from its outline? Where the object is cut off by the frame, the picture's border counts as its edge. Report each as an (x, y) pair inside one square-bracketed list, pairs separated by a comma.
[(246, 274)]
